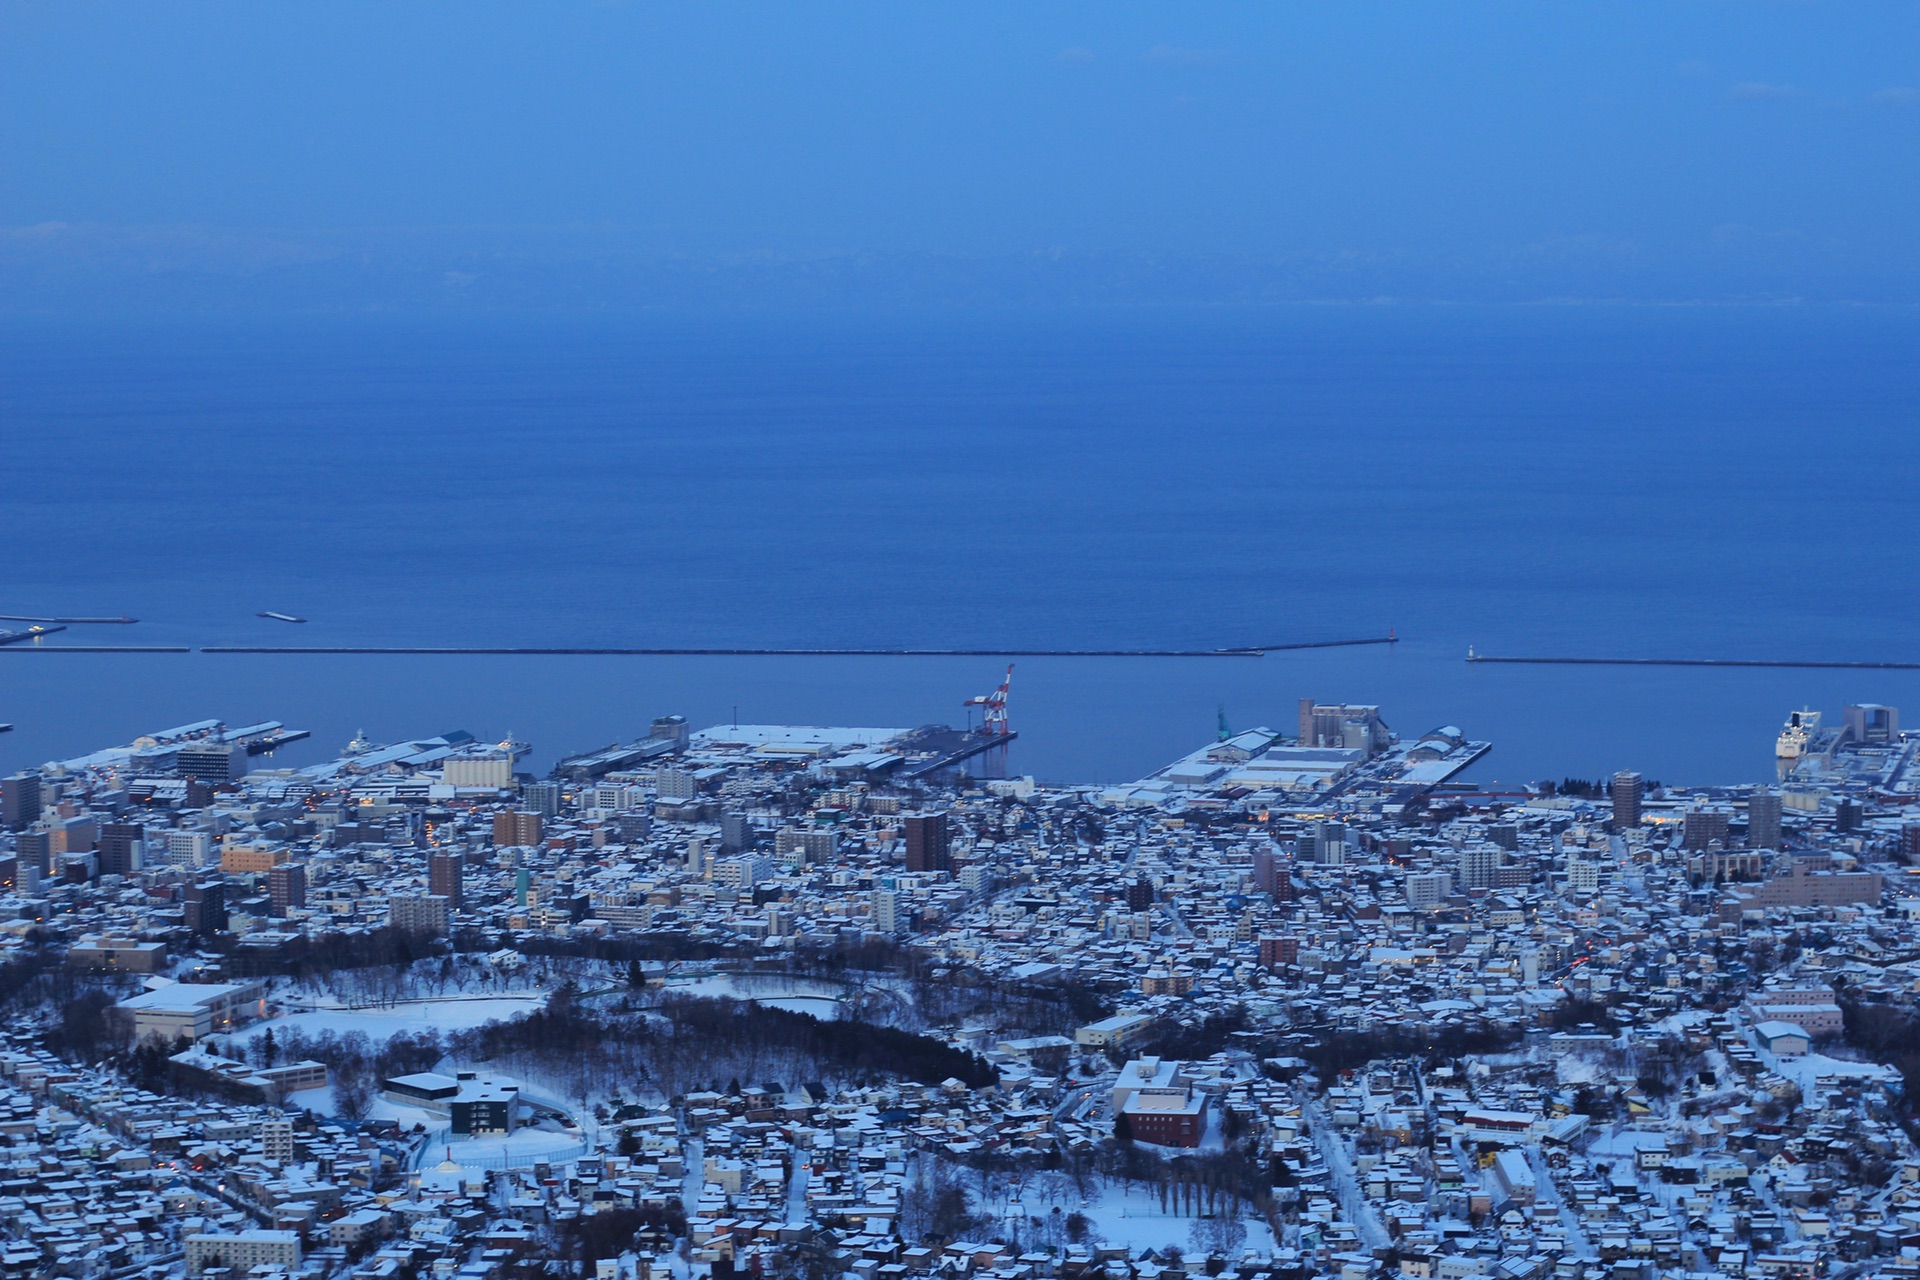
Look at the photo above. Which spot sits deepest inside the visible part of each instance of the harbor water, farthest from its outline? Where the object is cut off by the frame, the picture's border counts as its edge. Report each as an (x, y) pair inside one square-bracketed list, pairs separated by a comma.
[(1631, 481)]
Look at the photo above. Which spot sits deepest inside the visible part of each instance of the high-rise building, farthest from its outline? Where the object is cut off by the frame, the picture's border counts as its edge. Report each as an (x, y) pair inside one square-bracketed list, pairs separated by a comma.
[(736, 833), (741, 873), (1763, 820), (1703, 826), (1910, 840), (206, 907), (1627, 791), (1480, 863), (1848, 814), (19, 800), (79, 833), (1140, 894), (188, 848), (444, 876), (821, 845), (417, 913), (212, 761), (1330, 843), (276, 1142), (1273, 872), (618, 797), (287, 887), (34, 849), (542, 798), (121, 849), (676, 784), (517, 827), (1276, 952), (886, 911), (1428, 889), (812, 846), (927, 848)]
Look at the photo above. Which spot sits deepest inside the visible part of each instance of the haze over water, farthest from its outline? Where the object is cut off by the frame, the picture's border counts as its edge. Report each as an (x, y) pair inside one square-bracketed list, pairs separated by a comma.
[(1611, 481)]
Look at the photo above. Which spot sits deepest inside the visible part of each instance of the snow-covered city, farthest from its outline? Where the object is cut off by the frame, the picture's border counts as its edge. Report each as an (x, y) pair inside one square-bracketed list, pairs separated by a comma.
[(839, 1002)]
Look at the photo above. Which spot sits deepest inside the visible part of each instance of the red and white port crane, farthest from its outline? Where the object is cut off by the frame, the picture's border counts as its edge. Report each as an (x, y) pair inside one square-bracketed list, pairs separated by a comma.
[(993, 722)]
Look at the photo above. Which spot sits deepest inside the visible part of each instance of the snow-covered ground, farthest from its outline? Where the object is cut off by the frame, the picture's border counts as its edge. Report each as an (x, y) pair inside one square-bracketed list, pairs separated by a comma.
[(1808, 1068), (1132, 1217), (320, 1102), (443, 1013), (796, 995), (1622, 1139)]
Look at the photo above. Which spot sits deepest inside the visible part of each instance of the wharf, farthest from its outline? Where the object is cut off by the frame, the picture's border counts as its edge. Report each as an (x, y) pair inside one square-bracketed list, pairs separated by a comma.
[(10, 647), (272, 742), (947, 748), (78, 622), (31, 633)]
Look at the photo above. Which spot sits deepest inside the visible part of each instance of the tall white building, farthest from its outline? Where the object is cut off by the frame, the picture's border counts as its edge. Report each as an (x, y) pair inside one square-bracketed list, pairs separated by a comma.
[(886, 911), (1480, 863), (276, 1141), (1428, 888), (742, 873), (243, 1250), (189, 848)]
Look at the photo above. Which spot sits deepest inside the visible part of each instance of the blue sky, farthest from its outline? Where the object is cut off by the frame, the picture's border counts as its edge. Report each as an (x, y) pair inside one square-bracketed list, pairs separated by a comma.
[(1664, 150)]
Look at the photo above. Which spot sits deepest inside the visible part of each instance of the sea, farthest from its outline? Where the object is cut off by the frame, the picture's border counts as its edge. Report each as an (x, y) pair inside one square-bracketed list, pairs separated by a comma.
[(1600, 481)]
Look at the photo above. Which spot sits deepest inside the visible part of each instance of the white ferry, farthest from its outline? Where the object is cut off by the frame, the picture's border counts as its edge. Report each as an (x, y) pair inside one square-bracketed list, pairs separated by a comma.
[(1799, 730)]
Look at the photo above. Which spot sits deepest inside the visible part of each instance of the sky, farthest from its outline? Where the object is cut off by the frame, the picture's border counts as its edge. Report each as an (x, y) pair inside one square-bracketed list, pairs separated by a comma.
[(1649, 151)]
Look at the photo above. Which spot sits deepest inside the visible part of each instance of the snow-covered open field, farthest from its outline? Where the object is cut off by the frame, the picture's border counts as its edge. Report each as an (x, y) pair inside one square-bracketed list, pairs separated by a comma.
[(796, 995), (444, 1013), (1133, 1218)]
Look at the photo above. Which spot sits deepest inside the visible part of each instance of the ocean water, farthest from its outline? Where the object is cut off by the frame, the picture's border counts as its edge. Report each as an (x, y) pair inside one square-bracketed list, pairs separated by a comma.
[(1633, 481)]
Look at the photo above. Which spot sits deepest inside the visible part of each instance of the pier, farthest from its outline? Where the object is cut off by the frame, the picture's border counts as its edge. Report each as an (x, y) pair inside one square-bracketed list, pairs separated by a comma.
[(96, 648), (33, 632), (946, 748), (77, 622)]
